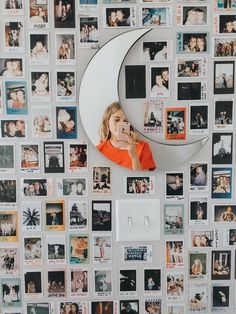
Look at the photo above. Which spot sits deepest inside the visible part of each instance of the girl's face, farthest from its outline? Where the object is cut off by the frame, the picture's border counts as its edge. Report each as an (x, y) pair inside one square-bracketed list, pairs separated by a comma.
[(197, 241), (114, 119)]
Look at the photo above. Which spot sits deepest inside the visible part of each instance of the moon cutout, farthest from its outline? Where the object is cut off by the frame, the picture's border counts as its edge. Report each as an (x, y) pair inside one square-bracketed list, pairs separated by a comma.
[(99, 88)]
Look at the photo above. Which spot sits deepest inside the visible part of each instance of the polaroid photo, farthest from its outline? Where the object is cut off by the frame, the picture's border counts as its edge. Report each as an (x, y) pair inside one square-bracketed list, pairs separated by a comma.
[(195, 67), (80, 307), (225, 5), (192, 15), (113, 1), (16, 97), (152, 281), (153, 305), (33, 284), (31, 216), (174, 183), (195, 90), (38, 14), (175, 123), (102, 249), (11, 68), (174, 254), (66, 122), (198, 211), (224, 213), (135, 81), (224, 47), (156, 17), (56, 283), (56, 250), (192, 42), (8, 195), (220, 298), (198, 298), (103, 306), (153, 116), (79, 280), (11, 292), (137, 253), (160, 82), (32, 250), (198, 119), (65, 48), (128, 282), (13, 128), (36, 187), (173, 218), (220, 265), (64, 13), (1, 99), (39, 49), (224, 114), (78, 249), (89, 5), (13, 7), (77, 215), (140, 185), (160, 50), (66, 86), (175, 308), (119, 17), (198, 177), (41, 307), (7, 160), (40, 86), (101, 215), (101, 180), (72, 186), (78, 157), (89, 32), (198, 269), (224, 24), (55, 215), (222, 148), (29, 158), (127, 306), (54, 157), (103, 282), (41, 125), (221, 182), (175, 286), (204, 238), (14, 36), (229, 237), (9, 259), (224, 77)]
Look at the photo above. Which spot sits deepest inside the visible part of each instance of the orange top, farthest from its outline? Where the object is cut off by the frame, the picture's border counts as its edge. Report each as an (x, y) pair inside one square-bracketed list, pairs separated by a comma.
[(122, 157)]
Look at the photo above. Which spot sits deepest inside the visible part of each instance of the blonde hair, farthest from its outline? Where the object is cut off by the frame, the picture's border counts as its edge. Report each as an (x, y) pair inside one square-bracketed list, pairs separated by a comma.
[(104, 131)]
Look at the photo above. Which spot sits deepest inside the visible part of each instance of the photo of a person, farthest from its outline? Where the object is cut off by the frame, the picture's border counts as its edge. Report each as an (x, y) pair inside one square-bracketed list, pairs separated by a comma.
[(195, 15), (118, 17), (134, 154)]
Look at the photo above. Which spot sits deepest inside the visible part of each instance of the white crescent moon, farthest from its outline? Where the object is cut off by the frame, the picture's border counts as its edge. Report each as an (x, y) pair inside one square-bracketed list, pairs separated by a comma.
[(99, 88)]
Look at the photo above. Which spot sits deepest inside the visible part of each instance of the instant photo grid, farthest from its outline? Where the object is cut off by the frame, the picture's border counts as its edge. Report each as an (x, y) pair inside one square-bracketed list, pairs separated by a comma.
[(58, 250)]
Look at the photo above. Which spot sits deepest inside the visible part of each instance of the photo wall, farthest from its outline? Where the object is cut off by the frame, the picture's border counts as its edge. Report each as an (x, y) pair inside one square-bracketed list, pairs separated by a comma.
[(58, 248)]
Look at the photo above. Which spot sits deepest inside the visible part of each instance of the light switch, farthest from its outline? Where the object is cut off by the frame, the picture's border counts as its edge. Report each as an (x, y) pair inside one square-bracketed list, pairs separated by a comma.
[(138, 220)]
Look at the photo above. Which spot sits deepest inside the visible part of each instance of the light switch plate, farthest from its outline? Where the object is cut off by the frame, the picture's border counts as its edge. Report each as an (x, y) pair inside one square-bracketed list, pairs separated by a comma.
[(138, 220)]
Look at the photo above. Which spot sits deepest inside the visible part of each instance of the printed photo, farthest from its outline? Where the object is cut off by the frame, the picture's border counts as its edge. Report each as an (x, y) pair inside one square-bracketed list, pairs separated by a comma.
[(156, 50), (221, 183), (33, 251), (11, 67), (56, 283), (8, 193), (175, 309), (56, 250), (174, 218), (102, 249), (226, 23), (220, 265), (135, 81), (198, 298), (13, 128), (11, 292), (39, 49), (128, 282), (13, 7), (137, 253), (40, 86), (78, 215), (40, 307), (9, 260), (30, 158), (65, 89), (175, 286), (119, 17), (101, 215), (231, 235), (7, 158), (175, 123), (102, 307), (103, 282), (199, 117), (41, 122), (38, 13), (89, 33), (140, 185), (72, 187), (14, 36), (65, 48), (174, 254), (33, 284), (225, 4), (129, 306), (222, 147), (54, 157), (157, 17), (192, 67), (224, 114), (198, 176), (224, 213), (193, 43), (101, 181), (152, 281), (192, 90), (192, 15), (224, 77), (36, 187), (160, 83), (64, 14), (31, 216), (153, 116), (204, 238), (174, 185), (197, 265), (220, 297), (55, 215), (16, 97), (79, 282), (198, 214), (78, 249), (224, 47), (152, 305), (78, 157), (66, 122)]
